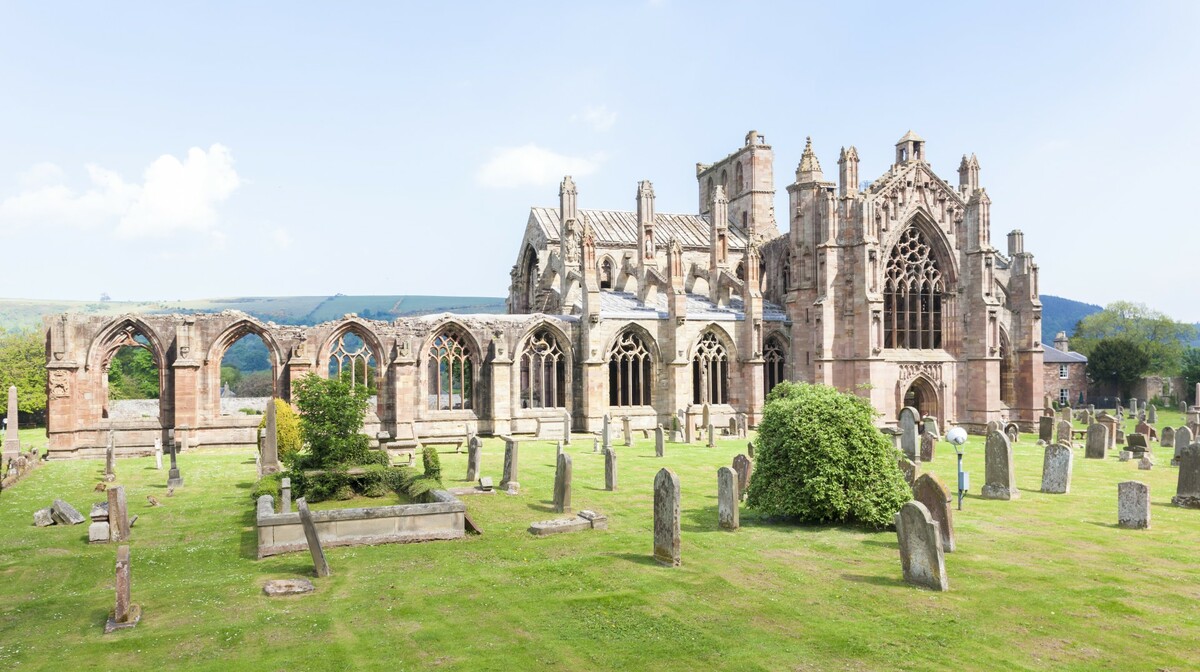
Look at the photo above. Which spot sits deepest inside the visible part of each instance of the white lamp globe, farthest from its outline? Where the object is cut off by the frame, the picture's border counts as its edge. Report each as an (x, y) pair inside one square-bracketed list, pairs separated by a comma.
[(957, 436)]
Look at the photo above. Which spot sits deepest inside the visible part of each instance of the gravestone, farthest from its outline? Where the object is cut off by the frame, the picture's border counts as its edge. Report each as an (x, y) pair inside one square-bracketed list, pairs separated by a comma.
[(1146, 464), (270, 442), (1067, 415), (1046, 428), (1091, 408), (921, 554), (285, 495), (118, 514), (744, 468), (929, 425), (1137, 444), (1167, 437), (562, 484), (1187, 488), (733, 427), (605, 432), (928, 446), (705, 415), (1097, 442), (936, 498), (743, 425), (43, 518), (750, 449), (558, 448), (314, 542), (1133, 407), (1144, 428), (65, 514), (1056, 469), (727, 499), (174, 480), (908, 431), (12, 433), (1013, 432), (1152, 414), (595, 444), (567, 427), (1133, 505), (992, 426), (1064, 433), (125, 614), (510, 479), (1110, 425), (909, 469), (666, 518), (610, 469), (1183, 407), (110, 459), (474, 458), (659, 448), (627, 430), (158, 453), (998, 468), (684, 425), (711, 436), (1183, 439)]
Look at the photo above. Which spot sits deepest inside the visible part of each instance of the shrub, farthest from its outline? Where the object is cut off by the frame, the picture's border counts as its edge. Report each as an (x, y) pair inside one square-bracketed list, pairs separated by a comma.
[(331, 415), (821, 460), (287, 429), (433, 464), (267, 485)]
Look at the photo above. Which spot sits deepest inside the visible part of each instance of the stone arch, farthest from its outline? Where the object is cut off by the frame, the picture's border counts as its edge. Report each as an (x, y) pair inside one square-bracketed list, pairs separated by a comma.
[(527, 280), (631, 378), (119, 333), (606, 272), (777, 355), (470, 373), (233, 333), (923, 395), (363, 330), (522, 379), (939, 244), (712, 358), (722, 335)]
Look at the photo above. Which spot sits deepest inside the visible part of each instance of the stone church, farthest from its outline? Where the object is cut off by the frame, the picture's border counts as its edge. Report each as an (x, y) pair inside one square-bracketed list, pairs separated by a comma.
[(891, 290)]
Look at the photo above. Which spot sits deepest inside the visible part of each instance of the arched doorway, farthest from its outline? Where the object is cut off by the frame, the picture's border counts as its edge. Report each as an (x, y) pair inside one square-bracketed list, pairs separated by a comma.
[(923, 397)]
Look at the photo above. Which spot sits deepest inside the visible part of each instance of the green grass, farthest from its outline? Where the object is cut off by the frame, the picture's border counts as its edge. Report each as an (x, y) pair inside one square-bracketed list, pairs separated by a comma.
[(1042, 582)]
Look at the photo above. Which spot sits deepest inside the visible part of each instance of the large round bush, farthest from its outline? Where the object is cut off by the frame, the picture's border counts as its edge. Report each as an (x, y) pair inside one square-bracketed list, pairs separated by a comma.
[(821, 460), (287, 428)]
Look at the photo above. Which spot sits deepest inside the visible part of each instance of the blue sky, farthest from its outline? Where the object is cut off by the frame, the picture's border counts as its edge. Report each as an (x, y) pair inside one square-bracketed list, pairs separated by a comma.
[(172, 151)]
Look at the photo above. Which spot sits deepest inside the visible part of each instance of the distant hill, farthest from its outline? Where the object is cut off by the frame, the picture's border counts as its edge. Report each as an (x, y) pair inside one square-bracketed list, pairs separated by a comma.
[(1059, 314), (302, 310)]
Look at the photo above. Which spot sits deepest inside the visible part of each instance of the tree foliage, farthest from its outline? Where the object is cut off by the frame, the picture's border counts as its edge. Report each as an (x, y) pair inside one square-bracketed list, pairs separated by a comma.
[(331, 417), (23, 363), (1191, 373), (822, 460), (287, 429), (1121, 361), (1162, 339), (132, 375)]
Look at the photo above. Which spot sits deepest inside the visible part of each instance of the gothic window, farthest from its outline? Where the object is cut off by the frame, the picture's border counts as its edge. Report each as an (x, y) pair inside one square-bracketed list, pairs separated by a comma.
[(773, 355), (351, 360), (708, 196), (787, 272), (543, 372), (629, 371), (912, 295), (725, 182), (606, 274), (710, 372), (451, 372)]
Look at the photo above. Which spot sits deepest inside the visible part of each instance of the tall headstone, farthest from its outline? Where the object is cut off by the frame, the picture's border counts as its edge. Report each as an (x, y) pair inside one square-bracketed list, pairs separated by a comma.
[(1187, 489), (510, 479), (174, 480), (1064, 433), (474, 456), (744, 468), (1133, 407), (1067, 414), (270, 442), (727, 499), (110, 455), (705, 415), (610, 469), (1056, 469), (921, 554), (750, 449), (1167, 437), (1110, 425), (909, 419), (567, 427), (12, 433), (658, 441), (686, 426), (1133, 505), (158, 453), (1046, 428), (285, 495), (627, 430), (1152, 414), (928, 446), (712, 439), (118, 514), (929, 490), (666, 518), (998, 468), (929, 425), (314, 541), (1097, 442), (1183, 439), (562, 484), (605, 432), (125, 614)]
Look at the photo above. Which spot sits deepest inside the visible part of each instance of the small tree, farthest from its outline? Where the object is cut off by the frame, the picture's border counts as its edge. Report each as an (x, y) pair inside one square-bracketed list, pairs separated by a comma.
[(331, 415), (1120, 361), (822, 460), (1191, 373)]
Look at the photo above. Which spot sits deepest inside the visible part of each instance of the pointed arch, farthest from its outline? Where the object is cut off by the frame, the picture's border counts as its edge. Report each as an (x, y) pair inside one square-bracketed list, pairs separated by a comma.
[(1008, 368), (527, 280), (452, 358), (113, 336), (606, 272), (544, 371), (922, 394), (213, 358), (632, 356), (712, 353), (917, 280), (775, 356)]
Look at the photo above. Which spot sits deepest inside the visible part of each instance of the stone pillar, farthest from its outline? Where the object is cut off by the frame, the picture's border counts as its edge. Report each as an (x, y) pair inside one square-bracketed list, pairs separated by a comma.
[(125, 614), (110, 469), (727, 499), (118, 514), (562, 484), (666, 518), (658, 441), (12, 435), (567, 427), (606, 431), (511, 456), (610, 470), (174, 480), (474, 455), (501, 410), (270, 443)]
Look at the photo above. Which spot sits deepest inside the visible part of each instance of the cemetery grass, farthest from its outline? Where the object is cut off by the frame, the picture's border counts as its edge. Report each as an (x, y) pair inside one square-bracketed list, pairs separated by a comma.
[(1042, 582)]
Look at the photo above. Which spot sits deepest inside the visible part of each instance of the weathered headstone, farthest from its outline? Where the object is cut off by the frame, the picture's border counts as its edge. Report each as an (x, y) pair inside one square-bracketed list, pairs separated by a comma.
[(174, 480), (1133, 407), (920, 547), (750, 449), (1097, 442), (1133, 505), (285, 495), (929, 425), (1183, 439), (666, 518), (99, 532), (659, 448), (705, 415), (908, 431), (118, 514), (558, 449), (562, 484), (1013, 432), (1067, 414), (1110, 426), (510, 479), (270, 442), (595, 444), (743, 425), (727, 499), (712, 442), (998, 468), (314, 541), (1144, 428), (935, 496), (627, 430), (1064, 433), (610, 469), (1137, 444), (43, 517), (1167, 437), (110, 454), (1183, 407), (744, 468), (125, 614), (1124, 456), (733, 426), (605, 432), (158, 453), (1046, 428), (1187, 488), (474, 458), (928, 446), (567, 427), (65, 514), (12, 433), (1152, 414), (1056, 469), (1146, 463), (909, 469)]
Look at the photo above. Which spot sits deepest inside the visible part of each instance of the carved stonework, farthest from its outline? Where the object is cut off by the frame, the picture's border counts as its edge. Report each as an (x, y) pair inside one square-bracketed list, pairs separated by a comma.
[(60, 384), (910, 370)]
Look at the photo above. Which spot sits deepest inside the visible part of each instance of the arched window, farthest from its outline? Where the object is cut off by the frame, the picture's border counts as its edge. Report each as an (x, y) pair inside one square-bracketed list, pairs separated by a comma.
[(451, 372), (912, 295), (774, 357), (351, 360), (1008, 388), (708, 194), (543, 372), (725, 182), (710, 371), (787, 272), (606, 274), (629, 371)]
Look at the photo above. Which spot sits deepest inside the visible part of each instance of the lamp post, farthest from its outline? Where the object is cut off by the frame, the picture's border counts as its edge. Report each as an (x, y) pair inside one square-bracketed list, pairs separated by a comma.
[(958, 438)]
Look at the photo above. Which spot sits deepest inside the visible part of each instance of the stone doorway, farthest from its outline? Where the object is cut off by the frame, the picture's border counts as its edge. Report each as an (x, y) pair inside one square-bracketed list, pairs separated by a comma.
[(923, 397)]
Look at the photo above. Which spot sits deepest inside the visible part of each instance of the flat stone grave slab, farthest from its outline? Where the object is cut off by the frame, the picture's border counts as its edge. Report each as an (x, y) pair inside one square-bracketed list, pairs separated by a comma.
[(470, 490), (586, 520), (278, 587)]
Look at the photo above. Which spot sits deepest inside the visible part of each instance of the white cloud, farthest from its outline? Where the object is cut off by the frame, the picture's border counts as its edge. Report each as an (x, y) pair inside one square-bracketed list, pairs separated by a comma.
[(281, 237), (174, 196), (599, 117), (532, 166)]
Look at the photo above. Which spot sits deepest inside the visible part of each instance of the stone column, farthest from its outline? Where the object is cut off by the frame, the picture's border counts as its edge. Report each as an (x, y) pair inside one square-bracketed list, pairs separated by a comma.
[(712, 439), (567, 427), (158, 453), (666, 518), (314, 541), (110, 469), (727, 499), (501, 410)]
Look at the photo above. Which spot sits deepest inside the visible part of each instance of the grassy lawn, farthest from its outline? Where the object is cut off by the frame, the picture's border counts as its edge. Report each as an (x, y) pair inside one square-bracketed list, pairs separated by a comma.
[(1042, 582)]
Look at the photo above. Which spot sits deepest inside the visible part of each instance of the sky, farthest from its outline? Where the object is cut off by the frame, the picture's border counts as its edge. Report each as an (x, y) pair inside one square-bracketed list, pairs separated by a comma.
[(162, 151)]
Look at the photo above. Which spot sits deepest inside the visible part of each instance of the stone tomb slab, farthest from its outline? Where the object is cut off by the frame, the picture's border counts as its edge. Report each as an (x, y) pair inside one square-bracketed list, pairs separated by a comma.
[(281, 587), (586, 520)]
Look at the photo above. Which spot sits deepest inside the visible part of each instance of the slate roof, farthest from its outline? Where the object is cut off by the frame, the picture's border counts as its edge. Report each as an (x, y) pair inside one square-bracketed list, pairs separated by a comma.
[(1055, 356), (625, 305), (619, 228)]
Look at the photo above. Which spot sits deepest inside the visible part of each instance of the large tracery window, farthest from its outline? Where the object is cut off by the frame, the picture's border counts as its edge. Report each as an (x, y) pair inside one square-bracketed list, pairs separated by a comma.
[(912, 295), (351, 361), (629, 371), (710, 372), (451, 373), (543, 372), (774, 358)]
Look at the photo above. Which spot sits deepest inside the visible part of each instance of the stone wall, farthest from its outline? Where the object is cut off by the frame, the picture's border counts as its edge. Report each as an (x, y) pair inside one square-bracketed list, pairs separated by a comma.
[(1076, 382)]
